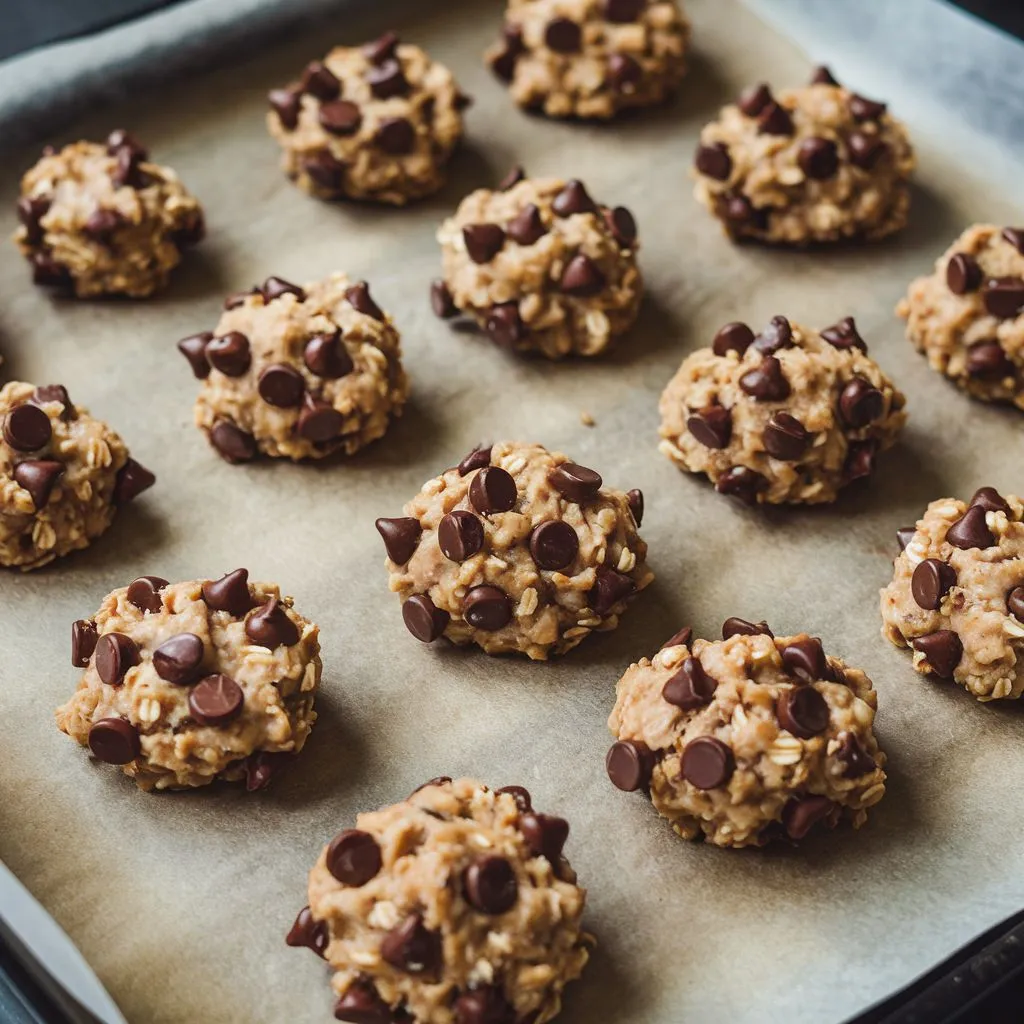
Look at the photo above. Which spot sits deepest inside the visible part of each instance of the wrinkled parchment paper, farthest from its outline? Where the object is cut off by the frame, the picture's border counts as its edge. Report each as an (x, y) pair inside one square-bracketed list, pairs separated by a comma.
[(181, 901)]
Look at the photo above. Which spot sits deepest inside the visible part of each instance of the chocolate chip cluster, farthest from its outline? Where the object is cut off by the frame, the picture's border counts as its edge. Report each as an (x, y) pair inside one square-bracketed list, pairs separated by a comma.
[(787, 415), (747, 739), (456, 905), (191, 682)]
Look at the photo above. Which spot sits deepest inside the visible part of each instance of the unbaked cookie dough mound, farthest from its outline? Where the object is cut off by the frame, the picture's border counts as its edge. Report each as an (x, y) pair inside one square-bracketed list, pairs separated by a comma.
[(813, 165), (63, 475), (957, 594), (591, 58), (541, 267), (378, 122), (747, 739), (789, 416), (968, 317), (186, 683), (454, 906), (297, 373), (104, 220), (516, 549)]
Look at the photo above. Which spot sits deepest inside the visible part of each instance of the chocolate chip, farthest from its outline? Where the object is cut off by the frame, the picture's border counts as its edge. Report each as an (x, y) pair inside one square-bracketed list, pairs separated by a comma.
[(753, 100), (712, 426), (691, 687), (777, 335), (610, 589), (388, 80), (785, 437), (396, 136), (127, 172), (714, 161), (215, 701), (493, 490), (308, 932), (963, 274), (324, 170), (822, 76), (353, 857), (505, 326), (178, 659), (514, 176), (860, 460), (132, 479), (269, 626), (738, 210), (229, 594), (144, 593), (401, 537), (622, 225), (286, 103), (860, 403), (424, 619), (844, 335), (818, 158), (193, 348), (83, 642), (411, 947), (803, 712), (478, 458), (852, 754), (319, 81), (742, 483), (741, 627), (904, 535), (230, 354), (527, 226), (438, 780), (504, 64), (485, 1004), (441, 301), (1003, 296), (48, 273), (629, 765), (487, 608), (232, 443), (865, 150), (319, 421), (263, 767), (460, 535), (707, 763), (990, 500), (931, 582), (236, 299), (381, 49), (681, 638), (340, 117), (635, 497), (766, 383), (573, 199), (622, 12), (582, 277), (775, 120), (801, 814), (971, 530), (362, 1005), (805, 659), (115, 655), (483, 241), (326, 356), (520, 794), (490, 885), (733, 337), (863, 109), (101, 224), (624, 72), (275, 287), (281, 385), (989, 359), (114, 741), (38, 477), (563, 35), (31, 210), (359, 297), (1015, 236), (27, 428), (575, 483), (545, 834), (49, 393), (942, 650), (1015, 602), (192, 232), (554, 545)]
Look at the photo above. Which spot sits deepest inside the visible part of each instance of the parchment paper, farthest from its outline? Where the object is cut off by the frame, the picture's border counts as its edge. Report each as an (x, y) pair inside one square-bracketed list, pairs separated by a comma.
[(181, 902)]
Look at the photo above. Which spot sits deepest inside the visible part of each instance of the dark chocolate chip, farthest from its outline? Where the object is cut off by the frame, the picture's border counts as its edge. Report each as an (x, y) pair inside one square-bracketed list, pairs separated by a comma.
[(622, 225), (102, 223), (801, 814), (844, 335), (775, 120), (114, 741), (805, 659), (818, 158), (47, 272), (281, 385), (742, 483), (411, 947), (286, 103), (733, 337), (785, 437), (971, 530), (505, 326), (230, 354), (236, 299), (485, 1004), (852, 754), (864, 109), (691, 687), (514, 176), (229, 594), (707, 763), (127, 171), (340, 117), (860, 460), (263, 767), (711, 426), (989, 359), (388, 80), (27, 428), (803, 712), (487, 608), (115, 655), (483, 241), (554, 544), (622, 12), (582, 277), (83, 642), (942, 650), (38, 477), (904, 535), (424, 619), (493, 490), (563, 35), (490, 885), (777, 335), (611, 588), (545, 834), (308, 932), (990, 500), (624, 72), (319, 421), (270, 627), (738, 210), (714, 161), (324, 170), (1004, 296), (353, 857), (931, 582), (1015, 236), (629, 765), (575, 483), (144, 593), (31, 210), (326, 356), (527, 226), (179, 659), (232, 443), (193, 348), (441, 301), (741, 627), (362, 1005), (381, 49), (396, 136), (635, 497), (681, 638), (478, 458), (767, 382), (753, 100), (1015, 602), (275, 287), (963, 274), (822, 76), (860, 403), (55, 393), (573, 199), (520, 794), (437, 780), (460, 535), (504, 64), (865, 150), (401, 537), (359, 297), (319, 81)]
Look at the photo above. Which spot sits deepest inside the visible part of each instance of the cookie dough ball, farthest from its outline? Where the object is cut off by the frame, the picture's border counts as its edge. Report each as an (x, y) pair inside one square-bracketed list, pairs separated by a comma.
[(186, 683), (788, 416), (516, 549), (968, 317), (297, 373), (541, 267), (812, 165), (747, 739), (957, 594), (591, 58), (454, 906), (103, 220), (63, 475), (378, 122)]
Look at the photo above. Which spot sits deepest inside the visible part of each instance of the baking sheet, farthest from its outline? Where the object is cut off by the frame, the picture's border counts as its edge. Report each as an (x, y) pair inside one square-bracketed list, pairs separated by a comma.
[(181, 901)]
